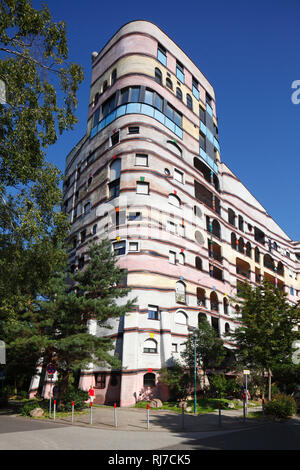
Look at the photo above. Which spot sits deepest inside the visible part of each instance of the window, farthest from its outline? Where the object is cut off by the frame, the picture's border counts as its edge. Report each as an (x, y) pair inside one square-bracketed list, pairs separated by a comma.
[(83, 236), (202, 141), (158, 76), (231, 217), (87, 208), (113, 76), (134, 216), (174, 348), (149, 380), (172, 257), (169, 83), (162, 54), (109, 105), (181, 258), (241, 223), (158, 102), (189, 102), (202, 115), (142, 188), (195, 85), (104, 87), (94, 229), (174, 200), (179, 93), (119, 248), (115, 172), (133, 246), (133, 130), (198, 263), (100, 380), (149, 97), (181, 318), (141, 159), (134, 95), (179, 71), (150, 346), (153, 312), (171, 227), (174, 115), (180, 292), (115, 138), (178, 175), (124, 96)]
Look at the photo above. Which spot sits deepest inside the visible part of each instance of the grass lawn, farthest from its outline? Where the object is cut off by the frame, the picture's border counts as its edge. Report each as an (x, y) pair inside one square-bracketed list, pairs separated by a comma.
[(204, 405)]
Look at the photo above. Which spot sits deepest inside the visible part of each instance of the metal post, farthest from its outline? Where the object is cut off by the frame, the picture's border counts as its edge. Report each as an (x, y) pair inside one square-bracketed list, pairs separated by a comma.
[(263, 408), (220, 415), (54, 409), (246, 395), (182, 416), (244, 408), (72, 412), (91, 413), (50, 397), (147, 415), (115, 415)]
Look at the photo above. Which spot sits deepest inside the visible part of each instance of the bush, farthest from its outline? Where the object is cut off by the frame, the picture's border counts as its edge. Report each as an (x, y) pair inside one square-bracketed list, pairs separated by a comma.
[(217, 386), (281, 406), (78, 396), (31, 406)]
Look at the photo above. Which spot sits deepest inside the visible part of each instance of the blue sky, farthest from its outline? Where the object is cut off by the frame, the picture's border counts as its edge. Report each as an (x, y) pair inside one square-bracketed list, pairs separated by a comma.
[(248, 50)]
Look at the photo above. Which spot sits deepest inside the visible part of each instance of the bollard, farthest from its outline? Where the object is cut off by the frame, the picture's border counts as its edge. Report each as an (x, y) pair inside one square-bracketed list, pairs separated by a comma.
[(73, 412), (220, 414), (182, 416), (147, 415), (91, 413), (244, 410), (263, 408), (115, 415), (54, 409)]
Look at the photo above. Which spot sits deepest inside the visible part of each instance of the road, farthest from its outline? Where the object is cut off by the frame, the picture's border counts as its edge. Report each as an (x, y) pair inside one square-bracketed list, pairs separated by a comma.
[(18, 433)]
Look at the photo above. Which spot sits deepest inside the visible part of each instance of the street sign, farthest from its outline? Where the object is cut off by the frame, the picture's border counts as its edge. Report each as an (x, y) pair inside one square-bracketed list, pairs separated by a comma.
[(51, 369), (246, 372)]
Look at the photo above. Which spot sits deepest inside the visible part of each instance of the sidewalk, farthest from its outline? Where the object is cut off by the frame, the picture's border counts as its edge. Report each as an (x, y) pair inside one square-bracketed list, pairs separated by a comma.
[(135, 419)]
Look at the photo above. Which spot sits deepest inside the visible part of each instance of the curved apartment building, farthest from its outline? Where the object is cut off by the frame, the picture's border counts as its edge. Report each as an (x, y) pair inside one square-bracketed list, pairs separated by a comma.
[(148, 175)]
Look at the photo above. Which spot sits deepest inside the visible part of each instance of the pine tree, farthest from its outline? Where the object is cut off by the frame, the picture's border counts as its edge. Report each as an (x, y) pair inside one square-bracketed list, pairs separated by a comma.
[(56, 326)]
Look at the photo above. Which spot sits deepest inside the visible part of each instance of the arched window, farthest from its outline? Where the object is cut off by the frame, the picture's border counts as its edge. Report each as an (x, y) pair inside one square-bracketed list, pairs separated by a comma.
[(189, 102), (225, 305), (280, 269), (241, 245), (216, 228), (233, 241), (227, 328), (174, 147), (174, 200), (231, 217), (241, 223), (269, 262), (150, 346), (201, 317), (180, 291), (201, 301), (158, 76), (181, 318), (198, 263), (257, 255), (214, 302), (113, 76), (169, 83), (179, 93), (114, 177), (149, 380), (104, 87), (248, 249)]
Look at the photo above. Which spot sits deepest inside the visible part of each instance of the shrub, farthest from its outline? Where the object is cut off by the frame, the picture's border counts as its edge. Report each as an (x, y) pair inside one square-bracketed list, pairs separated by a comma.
[(30, 406), (281, 406), (217, 386), (177, 381), (78, 396)]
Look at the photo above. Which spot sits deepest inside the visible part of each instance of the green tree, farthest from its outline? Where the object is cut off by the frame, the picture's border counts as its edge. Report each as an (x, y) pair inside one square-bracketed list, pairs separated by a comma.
[(57, 325), (177, 380), (210, 350), (41, 88), (265, 338)]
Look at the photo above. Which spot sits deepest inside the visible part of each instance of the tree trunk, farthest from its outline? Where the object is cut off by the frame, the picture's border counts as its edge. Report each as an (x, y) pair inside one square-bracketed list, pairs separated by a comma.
[(269, 384)]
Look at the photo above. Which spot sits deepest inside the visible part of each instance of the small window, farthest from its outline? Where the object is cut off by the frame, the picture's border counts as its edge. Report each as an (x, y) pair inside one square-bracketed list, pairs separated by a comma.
[(134, 216), (142, 188), (179, 93), (133, 130), (162, 54), (172, 257), (100, 380), (181, 258), (202, 115), (133, 246), (169, 83), (189, 102), (153, 312), (195, 85), (141, 159), (104, 87), (113, 76), (150, 346), (179, 71), (202, 141), (94, 229), (115, 138), (158, 76), (174, 348), (83, 236), (178, 175), (149, 380), (135, 93), (174, 200), (119, 248), (171, 227)]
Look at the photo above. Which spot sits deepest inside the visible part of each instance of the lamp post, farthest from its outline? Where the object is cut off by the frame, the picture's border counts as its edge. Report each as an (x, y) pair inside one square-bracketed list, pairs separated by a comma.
[(195, 336)]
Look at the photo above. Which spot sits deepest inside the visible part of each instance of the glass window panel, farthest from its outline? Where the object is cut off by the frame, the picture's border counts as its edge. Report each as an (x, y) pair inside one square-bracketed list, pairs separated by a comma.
[(162, 57), (148, 110), (135, 92), (124, 95), (148, 97), (158, 102)]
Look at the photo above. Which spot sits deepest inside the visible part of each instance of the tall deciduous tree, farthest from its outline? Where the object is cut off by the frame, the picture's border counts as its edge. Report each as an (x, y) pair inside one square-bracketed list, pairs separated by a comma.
[(57, 325), (41, 88), (268, 328)]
